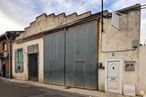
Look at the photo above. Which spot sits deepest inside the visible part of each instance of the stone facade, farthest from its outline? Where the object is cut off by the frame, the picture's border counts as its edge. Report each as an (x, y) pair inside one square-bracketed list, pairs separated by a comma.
[(46, 22), (42, 23)]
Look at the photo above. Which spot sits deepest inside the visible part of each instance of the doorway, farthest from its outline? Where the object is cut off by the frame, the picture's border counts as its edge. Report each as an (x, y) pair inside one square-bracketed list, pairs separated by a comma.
[(4, 70), (113, 76), (33, 66)]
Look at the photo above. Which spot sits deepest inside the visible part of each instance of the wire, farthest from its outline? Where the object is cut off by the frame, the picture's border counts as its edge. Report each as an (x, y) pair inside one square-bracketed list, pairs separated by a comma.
[(78, 8), (81, 5)]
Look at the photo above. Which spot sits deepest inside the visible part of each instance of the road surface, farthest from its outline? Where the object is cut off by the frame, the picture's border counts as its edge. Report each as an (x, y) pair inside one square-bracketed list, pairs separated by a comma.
[(11, 89)]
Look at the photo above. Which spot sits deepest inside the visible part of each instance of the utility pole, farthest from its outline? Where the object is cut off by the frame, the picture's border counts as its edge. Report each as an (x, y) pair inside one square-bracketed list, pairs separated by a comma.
[(102, 16)]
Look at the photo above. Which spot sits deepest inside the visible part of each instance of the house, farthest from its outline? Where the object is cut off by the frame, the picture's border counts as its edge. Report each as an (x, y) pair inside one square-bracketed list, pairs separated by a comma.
[(5, 53), (73, 51)]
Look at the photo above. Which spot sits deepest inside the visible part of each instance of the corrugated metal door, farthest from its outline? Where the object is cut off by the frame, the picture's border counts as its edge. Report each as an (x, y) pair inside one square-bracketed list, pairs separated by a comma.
[(81, 48), (54, 58)]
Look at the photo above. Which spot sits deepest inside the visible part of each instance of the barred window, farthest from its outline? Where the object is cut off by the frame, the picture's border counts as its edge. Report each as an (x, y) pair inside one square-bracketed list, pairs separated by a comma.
[(19, 60)]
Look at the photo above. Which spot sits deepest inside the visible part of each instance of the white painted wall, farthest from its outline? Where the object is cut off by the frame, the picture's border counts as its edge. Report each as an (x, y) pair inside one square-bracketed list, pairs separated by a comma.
[(142, 69), (24, 74), (114, 43)]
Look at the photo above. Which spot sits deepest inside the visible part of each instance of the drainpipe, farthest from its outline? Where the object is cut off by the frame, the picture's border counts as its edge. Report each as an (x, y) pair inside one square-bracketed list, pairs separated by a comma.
[(9, 49)]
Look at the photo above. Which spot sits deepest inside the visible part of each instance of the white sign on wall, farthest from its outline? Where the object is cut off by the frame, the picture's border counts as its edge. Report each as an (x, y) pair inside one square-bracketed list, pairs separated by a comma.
[(129, 90), (115, 20)]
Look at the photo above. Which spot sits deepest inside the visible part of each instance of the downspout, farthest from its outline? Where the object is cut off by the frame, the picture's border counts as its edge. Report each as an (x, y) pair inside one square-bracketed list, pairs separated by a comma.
[(9, 51)]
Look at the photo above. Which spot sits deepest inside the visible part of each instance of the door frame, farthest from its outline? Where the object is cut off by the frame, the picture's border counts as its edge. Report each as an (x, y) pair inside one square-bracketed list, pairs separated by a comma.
[(106, 73)]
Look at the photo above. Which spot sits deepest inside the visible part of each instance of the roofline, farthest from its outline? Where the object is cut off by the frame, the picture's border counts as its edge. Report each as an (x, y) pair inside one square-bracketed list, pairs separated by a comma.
[(127, 9), (8, 32), (92, 17), (83, 20), (133, 7)]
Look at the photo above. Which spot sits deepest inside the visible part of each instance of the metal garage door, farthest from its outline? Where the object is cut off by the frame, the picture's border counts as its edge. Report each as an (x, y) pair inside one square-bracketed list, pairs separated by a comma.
[(54, 58), (81, 48), (70, 57)]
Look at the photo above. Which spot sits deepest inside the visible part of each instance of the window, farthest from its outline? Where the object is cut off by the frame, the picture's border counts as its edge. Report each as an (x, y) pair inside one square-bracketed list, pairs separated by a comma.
[(19, 60), (4, 46)]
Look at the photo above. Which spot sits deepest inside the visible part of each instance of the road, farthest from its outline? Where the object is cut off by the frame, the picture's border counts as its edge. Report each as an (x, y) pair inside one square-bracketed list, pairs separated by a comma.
[(11, 89)]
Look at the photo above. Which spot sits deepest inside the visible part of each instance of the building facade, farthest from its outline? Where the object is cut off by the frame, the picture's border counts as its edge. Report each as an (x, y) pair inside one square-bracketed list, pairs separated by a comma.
[(31, 39), (118, 53), (73, 51), (5, 53)]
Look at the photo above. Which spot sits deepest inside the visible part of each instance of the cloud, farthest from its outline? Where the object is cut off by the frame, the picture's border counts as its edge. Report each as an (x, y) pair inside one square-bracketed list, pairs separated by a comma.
[(143, 28), (17, 14), (68, 6), (8, 24)]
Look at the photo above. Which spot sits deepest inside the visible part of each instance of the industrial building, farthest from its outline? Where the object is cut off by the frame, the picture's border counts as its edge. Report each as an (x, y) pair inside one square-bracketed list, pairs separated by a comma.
[(73, 51)]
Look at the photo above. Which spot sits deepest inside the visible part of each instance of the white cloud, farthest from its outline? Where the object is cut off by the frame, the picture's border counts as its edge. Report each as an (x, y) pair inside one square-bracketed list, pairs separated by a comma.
[(17, 14), (8, 24), (68, 6), (143, 28)]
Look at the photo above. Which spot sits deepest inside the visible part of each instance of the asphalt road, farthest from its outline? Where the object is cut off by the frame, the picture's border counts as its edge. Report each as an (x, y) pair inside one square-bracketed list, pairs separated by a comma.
[(10, 89)]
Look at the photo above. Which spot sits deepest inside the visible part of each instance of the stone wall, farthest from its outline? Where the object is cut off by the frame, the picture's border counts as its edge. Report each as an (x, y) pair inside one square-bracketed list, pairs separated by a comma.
[(45, 22)]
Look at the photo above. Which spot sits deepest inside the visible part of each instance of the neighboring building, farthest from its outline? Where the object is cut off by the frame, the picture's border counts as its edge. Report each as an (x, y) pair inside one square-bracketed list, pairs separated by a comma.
[(72, 51), (142, 69), (5, 52), (118, 53)]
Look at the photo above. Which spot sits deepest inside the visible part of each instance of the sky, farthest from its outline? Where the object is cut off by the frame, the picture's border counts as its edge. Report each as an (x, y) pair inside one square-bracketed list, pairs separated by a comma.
[(18, 14)]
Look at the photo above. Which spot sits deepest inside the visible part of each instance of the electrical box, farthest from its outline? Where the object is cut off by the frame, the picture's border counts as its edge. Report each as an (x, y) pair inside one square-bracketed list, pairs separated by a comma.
[(135, 43), (129, 65)]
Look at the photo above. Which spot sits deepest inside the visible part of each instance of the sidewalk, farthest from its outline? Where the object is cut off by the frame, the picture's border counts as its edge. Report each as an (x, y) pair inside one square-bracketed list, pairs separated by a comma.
[(71, 90)]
